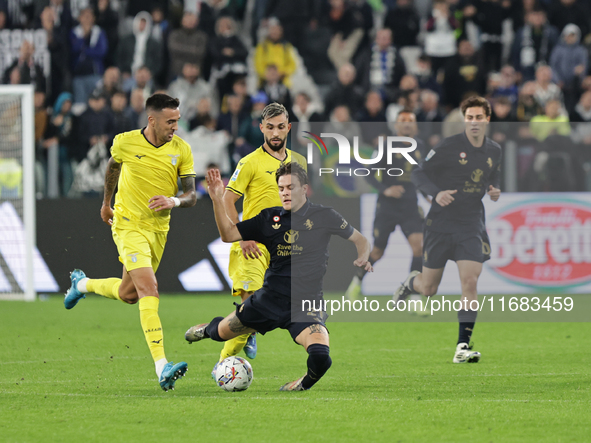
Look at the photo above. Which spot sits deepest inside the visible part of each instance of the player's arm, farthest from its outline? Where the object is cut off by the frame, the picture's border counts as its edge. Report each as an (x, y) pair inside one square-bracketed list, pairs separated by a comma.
[(494, 188), (111, 179), (215, 187), (249, 248), (363, 250), (420, 178), (187, 199)]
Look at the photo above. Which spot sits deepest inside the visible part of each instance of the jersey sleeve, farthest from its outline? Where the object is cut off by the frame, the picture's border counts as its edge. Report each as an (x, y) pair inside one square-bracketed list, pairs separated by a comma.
[(337, 225), (241, 178), (116, 150), (252, 229), (187, 166), (420, 175)]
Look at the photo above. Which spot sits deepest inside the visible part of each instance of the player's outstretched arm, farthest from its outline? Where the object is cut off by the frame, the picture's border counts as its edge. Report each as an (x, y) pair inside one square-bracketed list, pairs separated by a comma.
[(228, 230), (363, 250), (111, 179)]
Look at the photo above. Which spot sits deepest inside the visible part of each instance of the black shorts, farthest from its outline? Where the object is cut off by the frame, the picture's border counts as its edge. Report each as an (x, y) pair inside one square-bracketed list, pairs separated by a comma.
[(389, 216), (439, 247), (266, 310)]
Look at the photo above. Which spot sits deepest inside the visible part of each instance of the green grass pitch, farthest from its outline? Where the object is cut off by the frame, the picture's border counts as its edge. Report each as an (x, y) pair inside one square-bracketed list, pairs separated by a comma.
[(86, 375)]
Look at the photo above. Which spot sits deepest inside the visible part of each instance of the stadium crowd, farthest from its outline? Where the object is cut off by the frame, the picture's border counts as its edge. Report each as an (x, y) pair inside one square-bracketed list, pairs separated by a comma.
[(95, 62)]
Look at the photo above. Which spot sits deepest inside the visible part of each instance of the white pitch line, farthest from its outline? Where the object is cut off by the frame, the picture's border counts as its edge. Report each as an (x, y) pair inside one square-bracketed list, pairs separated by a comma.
[(480, 375)]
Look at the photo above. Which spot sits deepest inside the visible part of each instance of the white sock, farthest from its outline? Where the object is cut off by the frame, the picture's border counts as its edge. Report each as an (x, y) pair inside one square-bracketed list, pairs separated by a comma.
[(160, 366), (81, 286)]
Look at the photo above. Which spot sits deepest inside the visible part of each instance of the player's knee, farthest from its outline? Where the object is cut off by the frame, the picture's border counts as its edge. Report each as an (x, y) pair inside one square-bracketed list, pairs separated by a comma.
[(469, 283), (429, 290), (129, 298)]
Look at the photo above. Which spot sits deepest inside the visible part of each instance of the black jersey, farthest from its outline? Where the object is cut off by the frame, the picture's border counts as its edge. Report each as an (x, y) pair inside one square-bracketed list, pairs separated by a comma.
[(298, 245), (384, 180), (455, 164)]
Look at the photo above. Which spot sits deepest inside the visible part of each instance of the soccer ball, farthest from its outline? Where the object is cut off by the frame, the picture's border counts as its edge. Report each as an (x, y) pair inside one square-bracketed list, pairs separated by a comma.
[(234, 374)]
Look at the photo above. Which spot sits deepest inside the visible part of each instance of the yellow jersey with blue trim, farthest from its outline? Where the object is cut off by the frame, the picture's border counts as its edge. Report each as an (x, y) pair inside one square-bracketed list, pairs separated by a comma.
[(254, 178), (147, 171)]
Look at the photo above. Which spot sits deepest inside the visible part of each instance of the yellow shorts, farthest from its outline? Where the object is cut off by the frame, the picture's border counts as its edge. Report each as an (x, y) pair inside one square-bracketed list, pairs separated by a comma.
[(139, 248), (247, 275)]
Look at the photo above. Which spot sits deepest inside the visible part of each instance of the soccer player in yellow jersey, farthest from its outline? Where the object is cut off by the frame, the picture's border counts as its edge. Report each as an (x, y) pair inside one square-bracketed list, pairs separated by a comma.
[(145, 164), (254, 179)]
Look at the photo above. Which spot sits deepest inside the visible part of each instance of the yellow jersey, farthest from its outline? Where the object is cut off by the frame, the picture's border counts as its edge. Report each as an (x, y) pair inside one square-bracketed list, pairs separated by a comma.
[(147, 171), (254, 178)]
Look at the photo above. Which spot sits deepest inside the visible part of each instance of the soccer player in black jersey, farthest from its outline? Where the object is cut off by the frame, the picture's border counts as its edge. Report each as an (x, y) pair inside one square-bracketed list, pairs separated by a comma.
[(457, 173), (297, 236), (397, 205)]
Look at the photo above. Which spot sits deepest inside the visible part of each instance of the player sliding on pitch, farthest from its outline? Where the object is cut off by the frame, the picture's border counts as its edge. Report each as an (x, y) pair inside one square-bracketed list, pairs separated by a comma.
[(297, 236)]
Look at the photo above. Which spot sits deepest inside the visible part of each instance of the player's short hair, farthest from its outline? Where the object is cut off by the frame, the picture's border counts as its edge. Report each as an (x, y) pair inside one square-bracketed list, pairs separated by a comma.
[(292, 168), (158, 102), (476, 102), (273, 110)]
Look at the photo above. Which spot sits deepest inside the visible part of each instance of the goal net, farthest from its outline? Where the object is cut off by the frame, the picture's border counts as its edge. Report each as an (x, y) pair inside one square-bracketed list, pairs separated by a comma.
[(17, 193)]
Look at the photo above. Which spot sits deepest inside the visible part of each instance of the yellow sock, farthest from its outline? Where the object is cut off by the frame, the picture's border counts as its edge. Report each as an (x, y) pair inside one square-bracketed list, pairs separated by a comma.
[(234, 346), (152, 326), (107, 287)]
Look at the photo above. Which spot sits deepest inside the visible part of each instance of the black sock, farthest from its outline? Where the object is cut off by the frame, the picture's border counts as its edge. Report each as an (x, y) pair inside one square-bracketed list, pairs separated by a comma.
[(319, 362), (416, 264), (211, 331), (361, 271), (467, 320)]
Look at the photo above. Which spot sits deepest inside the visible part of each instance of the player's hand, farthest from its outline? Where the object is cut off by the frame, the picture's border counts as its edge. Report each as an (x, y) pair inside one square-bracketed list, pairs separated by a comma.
[(445, 198), (107, 214), (215, 185), (494, 193), (395, 191), (365, 264), (250, 249), (160, 203)]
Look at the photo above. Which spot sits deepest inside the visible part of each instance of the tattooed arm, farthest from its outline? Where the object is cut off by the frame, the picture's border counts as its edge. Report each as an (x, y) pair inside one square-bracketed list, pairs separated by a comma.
[(187, 199), (111, 179)]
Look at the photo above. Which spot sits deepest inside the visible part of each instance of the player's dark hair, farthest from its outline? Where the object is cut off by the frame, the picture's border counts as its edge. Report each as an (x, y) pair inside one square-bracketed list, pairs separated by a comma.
[(273, 110), (292, 169), (476, 102), (158, 102)]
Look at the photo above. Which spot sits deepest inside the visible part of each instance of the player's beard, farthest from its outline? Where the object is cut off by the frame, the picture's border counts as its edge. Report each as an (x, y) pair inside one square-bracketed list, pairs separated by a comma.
[(275, 147)]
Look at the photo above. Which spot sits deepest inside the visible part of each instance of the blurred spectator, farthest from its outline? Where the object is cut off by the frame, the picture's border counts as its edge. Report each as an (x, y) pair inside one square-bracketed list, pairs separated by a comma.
[(501, 110), (203, 113), (545, 89), (274, 89), (228, 56), (60, 131), (295, 17), (363, 13), (464, 74), (404, 22), (533, 43), (347, 32), (57, 44), (209, 146), (89, 46), (527, 105), (135, 6), (407, 98), (135, 112), (108, 20), (440, 41), (186, 45), (344, 92), (304, 111), (209, 11), (563, 12), (489, 17), (231, 120), (274, 50), (189, 89), (340, 121), (425, 76), (30, 73), (110, 83), (62, 15), (3, 20), (429, 107), (552, 122), (508, 85), (139, 48), (239, 88), (250, 136), (386, 66), (570, 62), (121, 122), (582, 111), (142, 79), (94, 125), (160, 26), (373, 118)]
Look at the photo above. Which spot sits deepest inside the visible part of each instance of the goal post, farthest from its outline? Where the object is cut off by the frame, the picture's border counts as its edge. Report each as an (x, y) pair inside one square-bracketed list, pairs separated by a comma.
[(17, 193)]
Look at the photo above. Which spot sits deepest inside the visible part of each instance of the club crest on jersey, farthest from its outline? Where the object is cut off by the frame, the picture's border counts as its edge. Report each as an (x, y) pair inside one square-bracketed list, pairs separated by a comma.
[(133, 257), (462, 159), (174, 158), (308, 224), (489, 162)]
